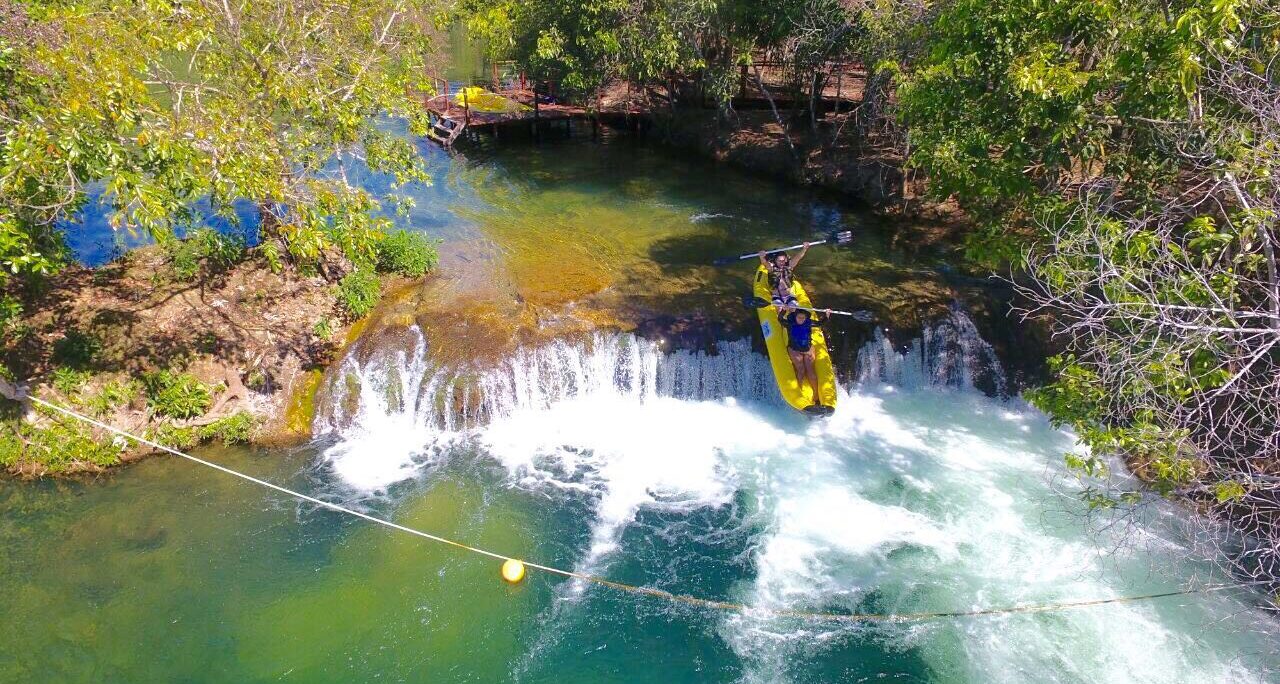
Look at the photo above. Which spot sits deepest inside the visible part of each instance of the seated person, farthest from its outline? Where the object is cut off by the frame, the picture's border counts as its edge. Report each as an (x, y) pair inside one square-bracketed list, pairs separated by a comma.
[(800, 324), (781, 275)]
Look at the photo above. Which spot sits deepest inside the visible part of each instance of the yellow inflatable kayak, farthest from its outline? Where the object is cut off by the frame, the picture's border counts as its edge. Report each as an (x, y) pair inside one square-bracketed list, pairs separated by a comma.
[(799, 395), (481, 100)]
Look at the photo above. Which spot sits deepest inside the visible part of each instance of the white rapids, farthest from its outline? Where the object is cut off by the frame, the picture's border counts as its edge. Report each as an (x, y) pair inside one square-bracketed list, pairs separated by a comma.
[(919, 494)]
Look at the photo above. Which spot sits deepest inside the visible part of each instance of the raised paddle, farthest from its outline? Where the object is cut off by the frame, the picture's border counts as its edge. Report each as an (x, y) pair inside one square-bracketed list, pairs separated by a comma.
[(839, 237), (760, 303)]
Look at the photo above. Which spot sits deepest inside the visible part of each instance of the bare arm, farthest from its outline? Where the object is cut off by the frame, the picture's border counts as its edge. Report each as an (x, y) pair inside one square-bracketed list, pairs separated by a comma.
[(796, 262), (763, 262)]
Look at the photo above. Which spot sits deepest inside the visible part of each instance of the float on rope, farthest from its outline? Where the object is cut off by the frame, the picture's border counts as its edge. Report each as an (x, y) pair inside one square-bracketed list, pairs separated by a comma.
[(513, 571)]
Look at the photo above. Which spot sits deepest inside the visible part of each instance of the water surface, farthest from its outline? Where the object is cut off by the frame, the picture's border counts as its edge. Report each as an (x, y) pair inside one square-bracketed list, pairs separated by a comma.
[(610, 457), (502, 402)]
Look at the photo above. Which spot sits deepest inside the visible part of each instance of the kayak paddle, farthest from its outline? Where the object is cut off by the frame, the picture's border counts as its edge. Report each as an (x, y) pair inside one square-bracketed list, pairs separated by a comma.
[(839, 237), (760, 303)]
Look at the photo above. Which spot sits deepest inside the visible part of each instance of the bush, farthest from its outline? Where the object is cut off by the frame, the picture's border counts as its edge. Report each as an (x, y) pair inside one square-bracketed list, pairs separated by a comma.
[(68, 381), (408, 254), (56, 447), (358, 292), (176, 395), (271, 252), (174, 437), (257, 380), (204, 245), (234, 429), (11, 446), (114, 394), (10, 315), (76, 349), (324, 329)]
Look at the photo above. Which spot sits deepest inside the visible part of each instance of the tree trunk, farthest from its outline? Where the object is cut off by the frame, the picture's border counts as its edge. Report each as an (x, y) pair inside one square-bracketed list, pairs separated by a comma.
[(777, 116)]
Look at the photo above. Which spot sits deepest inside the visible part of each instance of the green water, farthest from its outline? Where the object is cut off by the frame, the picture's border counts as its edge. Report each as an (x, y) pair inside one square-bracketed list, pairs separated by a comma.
[(923, 500), (915, 498), (572, 235)]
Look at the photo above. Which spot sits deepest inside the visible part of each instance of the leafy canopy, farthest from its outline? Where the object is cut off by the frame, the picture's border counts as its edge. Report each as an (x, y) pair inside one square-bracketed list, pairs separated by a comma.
[(172, 106)]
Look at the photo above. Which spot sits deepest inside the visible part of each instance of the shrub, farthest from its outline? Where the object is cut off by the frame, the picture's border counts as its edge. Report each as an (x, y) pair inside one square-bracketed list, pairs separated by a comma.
[(324, 328), (68, 381), (76, 349), (10, 315), (114, 394), (11, 447), (204, 245), (57, 446), (271, 252), (234, 429), (176, 395), (174, 437), (257, 380), (358, 292), (408, 254)]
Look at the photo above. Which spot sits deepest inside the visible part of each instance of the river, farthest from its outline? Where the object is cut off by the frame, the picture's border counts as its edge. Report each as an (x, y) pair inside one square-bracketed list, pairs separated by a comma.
[(507, 403)]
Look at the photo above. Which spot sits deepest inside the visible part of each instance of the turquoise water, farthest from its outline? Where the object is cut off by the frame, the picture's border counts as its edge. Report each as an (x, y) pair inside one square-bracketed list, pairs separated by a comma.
[(604, 454), (601, 457)]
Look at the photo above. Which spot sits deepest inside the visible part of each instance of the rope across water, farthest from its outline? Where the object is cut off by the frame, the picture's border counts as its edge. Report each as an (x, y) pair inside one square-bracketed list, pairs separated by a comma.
[(631, 588)]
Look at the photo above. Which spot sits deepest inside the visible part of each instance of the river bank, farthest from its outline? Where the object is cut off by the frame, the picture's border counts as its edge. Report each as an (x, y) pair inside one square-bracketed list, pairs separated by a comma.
[(231, 355)]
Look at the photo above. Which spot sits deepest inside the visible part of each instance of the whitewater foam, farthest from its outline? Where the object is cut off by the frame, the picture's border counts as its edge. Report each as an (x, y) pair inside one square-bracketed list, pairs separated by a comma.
[(917, 495)]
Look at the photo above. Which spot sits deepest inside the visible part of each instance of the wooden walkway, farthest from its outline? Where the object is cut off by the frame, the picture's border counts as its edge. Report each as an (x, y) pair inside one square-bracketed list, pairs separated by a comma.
[(450, 119)]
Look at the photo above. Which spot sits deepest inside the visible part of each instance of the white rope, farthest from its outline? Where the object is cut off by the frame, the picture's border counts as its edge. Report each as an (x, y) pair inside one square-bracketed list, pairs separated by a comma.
[(648, 591), (283, 490)]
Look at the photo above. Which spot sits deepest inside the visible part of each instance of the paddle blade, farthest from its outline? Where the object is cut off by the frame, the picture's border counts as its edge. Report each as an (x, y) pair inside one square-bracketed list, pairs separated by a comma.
[(862, 316), (751, 302), (725, 261), (840, 237)]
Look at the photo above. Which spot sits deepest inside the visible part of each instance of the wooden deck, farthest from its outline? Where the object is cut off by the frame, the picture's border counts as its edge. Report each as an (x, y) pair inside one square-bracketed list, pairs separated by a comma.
[(451, 119)]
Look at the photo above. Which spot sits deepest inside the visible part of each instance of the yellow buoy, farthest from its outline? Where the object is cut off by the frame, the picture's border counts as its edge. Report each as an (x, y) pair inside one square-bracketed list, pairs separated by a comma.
[(512, 570)]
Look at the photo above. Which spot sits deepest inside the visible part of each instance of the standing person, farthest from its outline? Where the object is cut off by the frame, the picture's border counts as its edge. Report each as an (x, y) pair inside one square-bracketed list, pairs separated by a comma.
[(800, 324), (781, 272)]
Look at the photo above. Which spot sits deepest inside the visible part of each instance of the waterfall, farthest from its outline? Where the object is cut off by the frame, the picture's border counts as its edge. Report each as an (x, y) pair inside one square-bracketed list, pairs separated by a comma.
[(391, 406), (949, 353), (396, 386)]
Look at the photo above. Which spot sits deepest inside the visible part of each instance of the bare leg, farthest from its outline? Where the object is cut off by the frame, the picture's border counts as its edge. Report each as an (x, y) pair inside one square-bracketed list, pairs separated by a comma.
[(812, 374)]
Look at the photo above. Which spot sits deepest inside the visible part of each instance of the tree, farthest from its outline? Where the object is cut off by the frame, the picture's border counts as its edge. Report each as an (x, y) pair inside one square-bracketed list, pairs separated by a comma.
[(1019, 101), (25, 246), (172, 106), (584, 45), (1169, 305)]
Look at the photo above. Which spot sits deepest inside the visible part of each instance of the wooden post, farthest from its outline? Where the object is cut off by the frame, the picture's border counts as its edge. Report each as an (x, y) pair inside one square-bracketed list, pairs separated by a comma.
[(466, 107)]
